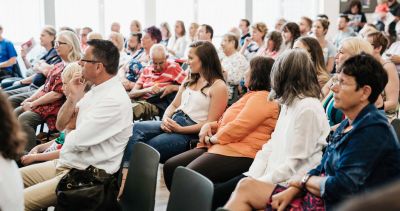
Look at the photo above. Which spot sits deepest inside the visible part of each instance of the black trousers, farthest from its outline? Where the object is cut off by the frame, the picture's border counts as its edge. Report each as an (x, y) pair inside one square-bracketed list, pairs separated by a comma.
[(217, 168)]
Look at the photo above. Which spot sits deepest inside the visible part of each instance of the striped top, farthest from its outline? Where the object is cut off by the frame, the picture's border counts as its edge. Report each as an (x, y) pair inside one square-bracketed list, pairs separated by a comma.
[(171, 74)]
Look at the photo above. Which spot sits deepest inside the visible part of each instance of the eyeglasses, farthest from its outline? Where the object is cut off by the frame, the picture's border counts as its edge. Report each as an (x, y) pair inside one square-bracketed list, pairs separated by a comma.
[(89, 61), (58, 43), (336, 81)]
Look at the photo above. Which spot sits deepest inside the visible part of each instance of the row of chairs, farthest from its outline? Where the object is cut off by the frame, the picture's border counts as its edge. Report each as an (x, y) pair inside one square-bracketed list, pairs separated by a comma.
[(190, 190)]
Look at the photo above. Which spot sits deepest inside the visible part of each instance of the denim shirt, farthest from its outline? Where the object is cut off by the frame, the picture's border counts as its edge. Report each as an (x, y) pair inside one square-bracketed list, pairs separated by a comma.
[(366, 156)]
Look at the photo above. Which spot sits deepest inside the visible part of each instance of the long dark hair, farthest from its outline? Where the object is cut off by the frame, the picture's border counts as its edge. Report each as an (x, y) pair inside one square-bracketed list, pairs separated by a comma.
[(294, 29), (12, 139), (317, 56), (211, 68)]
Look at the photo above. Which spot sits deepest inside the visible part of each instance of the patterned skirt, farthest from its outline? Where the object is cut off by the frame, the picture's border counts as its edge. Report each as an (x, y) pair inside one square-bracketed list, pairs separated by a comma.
[(307, 202)]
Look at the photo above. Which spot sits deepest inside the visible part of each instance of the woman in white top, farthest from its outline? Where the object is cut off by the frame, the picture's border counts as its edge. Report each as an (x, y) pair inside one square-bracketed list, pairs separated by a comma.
[(201, 98), (319, 30), (12, 143), (233, 64), (300, 133), (177, 44)]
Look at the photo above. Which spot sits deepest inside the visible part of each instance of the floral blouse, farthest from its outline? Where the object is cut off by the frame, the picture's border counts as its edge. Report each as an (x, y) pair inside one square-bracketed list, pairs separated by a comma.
[(53, 83)]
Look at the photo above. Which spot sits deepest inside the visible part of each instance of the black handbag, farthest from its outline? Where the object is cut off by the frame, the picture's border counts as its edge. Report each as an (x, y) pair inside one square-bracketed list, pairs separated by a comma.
[(89, 189)]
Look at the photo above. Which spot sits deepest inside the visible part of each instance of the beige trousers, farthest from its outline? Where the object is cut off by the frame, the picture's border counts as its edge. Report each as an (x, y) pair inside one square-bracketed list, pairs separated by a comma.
[(40, 182)]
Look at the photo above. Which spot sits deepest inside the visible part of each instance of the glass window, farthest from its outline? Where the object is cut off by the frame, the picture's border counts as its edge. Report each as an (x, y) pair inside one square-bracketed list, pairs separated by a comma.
[(172, 10), (221, 15), (267, 11), (77, 14), (21, 20), (124, 12)]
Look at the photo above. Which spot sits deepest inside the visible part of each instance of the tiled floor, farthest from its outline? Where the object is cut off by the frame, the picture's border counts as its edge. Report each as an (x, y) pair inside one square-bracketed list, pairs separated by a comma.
[(162, 193)]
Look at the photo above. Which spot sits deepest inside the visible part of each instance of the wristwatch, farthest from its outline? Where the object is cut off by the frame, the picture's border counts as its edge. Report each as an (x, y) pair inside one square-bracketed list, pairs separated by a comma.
[(304, 180)]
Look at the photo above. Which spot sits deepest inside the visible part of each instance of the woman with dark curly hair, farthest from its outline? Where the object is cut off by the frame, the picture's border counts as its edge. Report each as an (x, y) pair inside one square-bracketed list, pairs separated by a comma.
[(12, 143)]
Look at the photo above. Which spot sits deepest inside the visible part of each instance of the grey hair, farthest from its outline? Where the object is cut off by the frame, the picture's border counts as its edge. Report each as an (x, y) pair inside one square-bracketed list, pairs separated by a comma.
[(293, 76), (158, 49)]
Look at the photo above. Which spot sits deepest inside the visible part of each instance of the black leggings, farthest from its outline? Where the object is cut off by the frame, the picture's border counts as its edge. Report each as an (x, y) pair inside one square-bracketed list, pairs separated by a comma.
[(222, 191), (217, 168)]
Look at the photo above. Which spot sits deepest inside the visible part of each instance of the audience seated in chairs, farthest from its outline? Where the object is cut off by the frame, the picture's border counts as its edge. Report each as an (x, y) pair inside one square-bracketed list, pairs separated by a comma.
[(234, 65), (12, 144), (252, 44), (389, 99), (362, 154), (8, 56), (46, 54), (103, 126), (157, 85), (296, 144), (44, 105), (151, 36), (201, 98), (350, 47), (51, 150), (228, 146), (23, 89)]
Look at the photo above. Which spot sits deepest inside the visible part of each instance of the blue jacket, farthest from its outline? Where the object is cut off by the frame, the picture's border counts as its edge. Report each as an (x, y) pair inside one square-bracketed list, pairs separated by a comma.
[(366, 156)]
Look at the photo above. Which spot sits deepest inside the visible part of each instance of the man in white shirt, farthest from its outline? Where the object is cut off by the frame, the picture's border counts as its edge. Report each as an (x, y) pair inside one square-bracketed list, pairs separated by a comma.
[(103, 126), (344, 31)]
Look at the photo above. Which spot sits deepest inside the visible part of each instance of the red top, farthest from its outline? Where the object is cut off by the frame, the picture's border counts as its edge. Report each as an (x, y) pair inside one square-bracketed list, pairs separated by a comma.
[(53, 83), (172, 73)]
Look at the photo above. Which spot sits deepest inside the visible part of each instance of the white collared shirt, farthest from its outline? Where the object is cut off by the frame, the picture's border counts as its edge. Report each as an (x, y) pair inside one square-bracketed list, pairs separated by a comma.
[(103, 128)]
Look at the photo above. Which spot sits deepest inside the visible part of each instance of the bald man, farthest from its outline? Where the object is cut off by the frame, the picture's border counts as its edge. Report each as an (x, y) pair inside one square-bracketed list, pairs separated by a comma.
[(159, 82)]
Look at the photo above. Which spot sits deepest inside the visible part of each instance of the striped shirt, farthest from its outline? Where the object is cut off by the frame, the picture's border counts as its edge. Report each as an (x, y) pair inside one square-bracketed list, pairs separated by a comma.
[(171, 74)]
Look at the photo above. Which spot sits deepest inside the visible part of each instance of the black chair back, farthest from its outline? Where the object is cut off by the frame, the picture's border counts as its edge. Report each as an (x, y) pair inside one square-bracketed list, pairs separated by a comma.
[(190, 191), (140, 186)]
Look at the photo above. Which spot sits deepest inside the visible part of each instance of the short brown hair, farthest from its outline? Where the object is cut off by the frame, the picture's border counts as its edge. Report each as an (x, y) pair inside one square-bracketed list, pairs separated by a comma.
[(379, 40), (12, 139), (260, 70)]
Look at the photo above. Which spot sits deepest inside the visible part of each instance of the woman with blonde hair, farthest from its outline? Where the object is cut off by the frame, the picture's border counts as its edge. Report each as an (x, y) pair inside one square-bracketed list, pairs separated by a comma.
[(350, 47), (94, 35), (51, 150), (44, 105), (255, 42)]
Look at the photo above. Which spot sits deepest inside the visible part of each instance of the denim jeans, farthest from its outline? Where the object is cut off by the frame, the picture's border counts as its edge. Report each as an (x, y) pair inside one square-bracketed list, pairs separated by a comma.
[(167, 144)]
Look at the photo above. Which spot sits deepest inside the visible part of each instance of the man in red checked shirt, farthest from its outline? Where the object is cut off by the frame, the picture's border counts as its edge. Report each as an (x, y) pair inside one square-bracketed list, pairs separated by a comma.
[(157, 85)]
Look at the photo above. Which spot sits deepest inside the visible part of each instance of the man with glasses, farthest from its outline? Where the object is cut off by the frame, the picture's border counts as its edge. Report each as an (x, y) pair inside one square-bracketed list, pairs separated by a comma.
[(103, 127), (8, 56), (157, 85)]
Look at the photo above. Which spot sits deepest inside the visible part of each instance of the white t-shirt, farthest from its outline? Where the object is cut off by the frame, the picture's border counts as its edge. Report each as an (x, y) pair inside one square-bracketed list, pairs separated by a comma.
[(11, 186)]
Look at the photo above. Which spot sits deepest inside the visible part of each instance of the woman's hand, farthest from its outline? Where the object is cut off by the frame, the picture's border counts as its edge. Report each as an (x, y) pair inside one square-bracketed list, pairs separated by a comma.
[(281, 200), (205, 131), (172, 125), (163, 125)]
